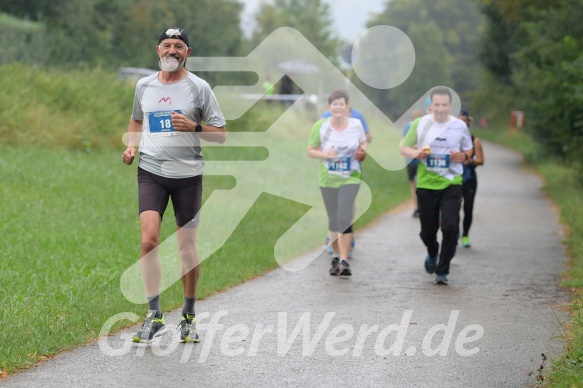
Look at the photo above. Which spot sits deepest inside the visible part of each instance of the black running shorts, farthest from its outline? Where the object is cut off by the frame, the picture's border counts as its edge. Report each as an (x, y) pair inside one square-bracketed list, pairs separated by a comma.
[(154, 191)]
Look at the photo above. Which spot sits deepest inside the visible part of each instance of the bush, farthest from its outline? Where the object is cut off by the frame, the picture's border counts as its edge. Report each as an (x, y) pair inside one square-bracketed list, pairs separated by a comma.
[(21, 41)]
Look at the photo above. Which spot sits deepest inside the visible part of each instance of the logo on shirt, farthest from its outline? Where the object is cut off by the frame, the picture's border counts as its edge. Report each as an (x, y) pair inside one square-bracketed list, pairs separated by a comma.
[(165, 99)]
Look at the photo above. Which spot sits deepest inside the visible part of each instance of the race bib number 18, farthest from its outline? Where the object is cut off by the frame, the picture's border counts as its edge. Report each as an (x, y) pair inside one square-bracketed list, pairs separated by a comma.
[(161, 122)]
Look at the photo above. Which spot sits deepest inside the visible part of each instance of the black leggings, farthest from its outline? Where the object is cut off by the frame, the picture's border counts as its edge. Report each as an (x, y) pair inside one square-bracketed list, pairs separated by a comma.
[(435, 207), (469, 193), (339, 204)]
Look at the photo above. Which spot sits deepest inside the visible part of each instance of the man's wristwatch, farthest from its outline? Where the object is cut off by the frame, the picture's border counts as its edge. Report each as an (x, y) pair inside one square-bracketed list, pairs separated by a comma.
[(198, 128)]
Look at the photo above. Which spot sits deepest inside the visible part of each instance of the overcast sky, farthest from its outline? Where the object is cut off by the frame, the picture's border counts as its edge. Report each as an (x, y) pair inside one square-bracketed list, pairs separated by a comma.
[(350, 16)]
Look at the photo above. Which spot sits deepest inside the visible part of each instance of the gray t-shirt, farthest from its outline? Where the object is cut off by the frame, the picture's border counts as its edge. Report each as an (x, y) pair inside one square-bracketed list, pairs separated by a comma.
[(164, 151)]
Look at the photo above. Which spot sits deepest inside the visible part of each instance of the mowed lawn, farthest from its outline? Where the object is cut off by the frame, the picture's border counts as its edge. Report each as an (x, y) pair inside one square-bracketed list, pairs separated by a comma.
[(69, 228)]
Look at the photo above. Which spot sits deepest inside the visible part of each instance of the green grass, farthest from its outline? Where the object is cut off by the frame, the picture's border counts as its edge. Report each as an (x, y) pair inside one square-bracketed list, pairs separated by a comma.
[(72, 111), (561, 183), (69, 226), (567, 192)]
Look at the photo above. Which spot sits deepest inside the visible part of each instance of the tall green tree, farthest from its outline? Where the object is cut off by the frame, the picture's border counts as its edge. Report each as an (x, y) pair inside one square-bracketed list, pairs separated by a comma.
[(498, 43), (213, 27), (16, 34), (113, 33), (445, 34), (432, 68), (35, 10), (433, 61), (310, 17), (544, 64), (460, 24), (83, 32)]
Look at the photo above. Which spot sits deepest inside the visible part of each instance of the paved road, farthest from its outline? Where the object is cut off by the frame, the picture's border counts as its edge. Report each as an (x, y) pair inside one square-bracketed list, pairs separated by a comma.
[(388, 325)]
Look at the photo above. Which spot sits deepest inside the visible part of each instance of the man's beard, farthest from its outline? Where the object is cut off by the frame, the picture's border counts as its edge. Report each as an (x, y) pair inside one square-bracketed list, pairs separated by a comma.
[(170, 64)]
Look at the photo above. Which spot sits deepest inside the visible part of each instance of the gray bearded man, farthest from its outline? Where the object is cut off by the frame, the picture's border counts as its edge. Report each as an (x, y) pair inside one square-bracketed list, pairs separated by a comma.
[(173, 109)]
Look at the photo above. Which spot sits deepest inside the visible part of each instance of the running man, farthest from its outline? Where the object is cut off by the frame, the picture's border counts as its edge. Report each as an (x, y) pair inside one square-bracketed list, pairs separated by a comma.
[(168, 112), (441, 142)]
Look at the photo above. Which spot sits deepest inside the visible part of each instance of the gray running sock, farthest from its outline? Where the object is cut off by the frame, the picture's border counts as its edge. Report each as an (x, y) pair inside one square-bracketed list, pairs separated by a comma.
[(154, 304), (188, 306)]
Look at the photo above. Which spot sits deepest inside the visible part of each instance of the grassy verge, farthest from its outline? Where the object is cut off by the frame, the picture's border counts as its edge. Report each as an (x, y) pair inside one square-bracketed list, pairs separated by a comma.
[(72, 111), (70, 229), (561, 184), (69, 225)]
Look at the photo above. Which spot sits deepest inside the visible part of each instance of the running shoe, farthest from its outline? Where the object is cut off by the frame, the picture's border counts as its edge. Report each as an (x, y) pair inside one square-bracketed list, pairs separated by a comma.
[(334, 267), (152, 327), (328, 246), (441, 279), (431, 263), (466, 242), (187, 328), (344, 268)]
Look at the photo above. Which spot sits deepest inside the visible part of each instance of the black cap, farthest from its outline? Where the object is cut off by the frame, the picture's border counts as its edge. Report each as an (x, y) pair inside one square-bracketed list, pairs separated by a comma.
[(174, 33), (464, 112)]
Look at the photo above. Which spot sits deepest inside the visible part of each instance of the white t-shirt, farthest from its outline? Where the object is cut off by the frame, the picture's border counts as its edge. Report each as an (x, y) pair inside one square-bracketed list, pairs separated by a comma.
[(163, 151), (345, 142), (443, 138)]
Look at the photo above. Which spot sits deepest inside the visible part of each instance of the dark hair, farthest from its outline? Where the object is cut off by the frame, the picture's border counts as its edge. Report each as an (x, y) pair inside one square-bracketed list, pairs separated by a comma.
[(336, 94), (442, 91)]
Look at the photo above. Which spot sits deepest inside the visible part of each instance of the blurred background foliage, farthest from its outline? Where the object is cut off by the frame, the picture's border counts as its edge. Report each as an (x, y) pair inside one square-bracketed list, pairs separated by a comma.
[(498, 55)]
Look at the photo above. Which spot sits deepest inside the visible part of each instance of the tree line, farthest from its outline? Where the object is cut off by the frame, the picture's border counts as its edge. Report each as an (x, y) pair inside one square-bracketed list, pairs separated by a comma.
[(117, 33), (533, 53), (497, 54)]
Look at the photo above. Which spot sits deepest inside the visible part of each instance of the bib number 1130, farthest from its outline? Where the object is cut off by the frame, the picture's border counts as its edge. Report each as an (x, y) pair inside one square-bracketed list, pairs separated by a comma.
[(438, 161)]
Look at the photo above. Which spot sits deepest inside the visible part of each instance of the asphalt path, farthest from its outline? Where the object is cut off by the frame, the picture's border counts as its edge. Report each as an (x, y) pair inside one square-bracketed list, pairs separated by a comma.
[(388, 325)]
